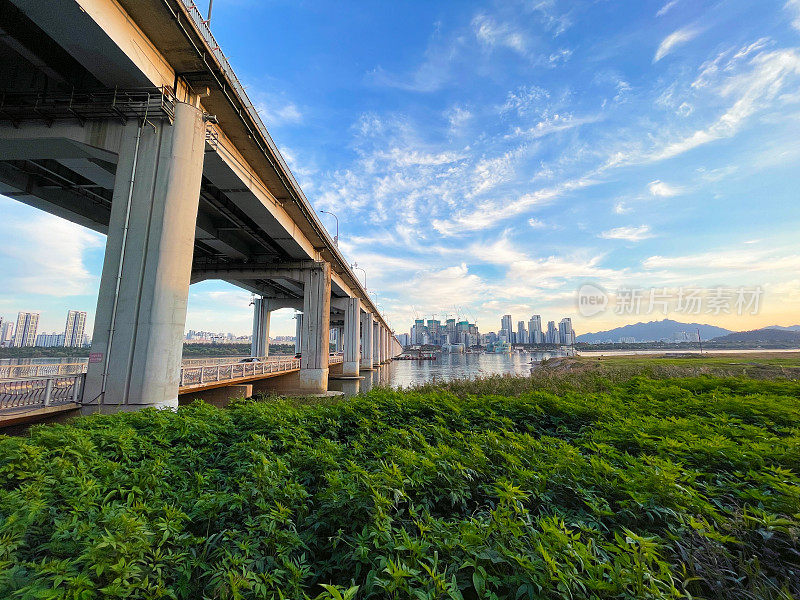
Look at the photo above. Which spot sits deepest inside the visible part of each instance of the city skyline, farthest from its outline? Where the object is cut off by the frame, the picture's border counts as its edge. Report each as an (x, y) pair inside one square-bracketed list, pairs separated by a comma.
[(497, 157), (25, 331)]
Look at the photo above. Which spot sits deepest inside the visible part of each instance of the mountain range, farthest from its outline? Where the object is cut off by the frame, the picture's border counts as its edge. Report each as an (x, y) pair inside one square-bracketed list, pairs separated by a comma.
[(652, 331), (675, 331), (767, 335)]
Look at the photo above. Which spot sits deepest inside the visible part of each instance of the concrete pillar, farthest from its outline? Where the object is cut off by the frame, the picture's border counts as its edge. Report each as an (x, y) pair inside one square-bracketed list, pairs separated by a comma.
[(260, 344), (141, 308), (298, 332), (376, 343), (366, 341), (316, 329), (384, 357), (352, 338)]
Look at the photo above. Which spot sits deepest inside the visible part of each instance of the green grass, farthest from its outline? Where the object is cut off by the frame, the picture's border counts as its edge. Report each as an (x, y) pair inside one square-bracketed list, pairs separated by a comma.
[(591, 485)]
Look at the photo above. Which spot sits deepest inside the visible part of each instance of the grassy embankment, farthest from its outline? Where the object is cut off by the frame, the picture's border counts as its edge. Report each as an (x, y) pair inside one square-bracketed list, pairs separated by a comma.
[(588, 480)]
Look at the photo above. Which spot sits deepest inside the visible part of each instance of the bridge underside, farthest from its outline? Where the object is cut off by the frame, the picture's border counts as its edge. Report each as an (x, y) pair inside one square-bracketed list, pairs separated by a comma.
[(124, 118)]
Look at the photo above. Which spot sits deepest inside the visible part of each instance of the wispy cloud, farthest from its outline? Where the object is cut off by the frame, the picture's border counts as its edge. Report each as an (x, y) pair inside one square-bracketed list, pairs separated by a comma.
[(48, 256), (275, 113), (793, 6), (629, 234), (661, 189), (666, 8), (674, 39), (492, 34)]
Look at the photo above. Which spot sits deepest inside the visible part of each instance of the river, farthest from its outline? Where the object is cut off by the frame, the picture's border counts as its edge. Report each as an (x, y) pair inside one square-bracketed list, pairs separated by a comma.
[(446, 367)]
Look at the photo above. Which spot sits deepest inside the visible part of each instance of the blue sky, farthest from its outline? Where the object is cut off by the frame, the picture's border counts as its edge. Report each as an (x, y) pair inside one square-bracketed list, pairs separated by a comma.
[(487, 158)]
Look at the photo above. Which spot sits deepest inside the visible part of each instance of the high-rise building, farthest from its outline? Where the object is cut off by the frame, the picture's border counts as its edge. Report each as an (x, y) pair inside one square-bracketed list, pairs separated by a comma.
[(552, 333), (522, 333), (419, 331), (50, 340), (535, 335), (6, 332), (505, 323), (565, 333), (73, 331), (25, 331)]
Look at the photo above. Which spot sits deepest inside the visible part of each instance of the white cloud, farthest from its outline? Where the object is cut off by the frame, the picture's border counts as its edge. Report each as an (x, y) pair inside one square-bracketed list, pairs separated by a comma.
[(661, 189), (491, 33), (794, 7), (621, 208), (666, 8), (274, 115), (732, 260), (524, 99), (537, 223), (552, 124), (755, 89), (458, 117), (48, 256), (676, 38), (630, 234)]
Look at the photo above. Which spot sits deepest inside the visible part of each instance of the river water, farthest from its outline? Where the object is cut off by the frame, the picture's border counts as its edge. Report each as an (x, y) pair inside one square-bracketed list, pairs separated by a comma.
[(446, 367)]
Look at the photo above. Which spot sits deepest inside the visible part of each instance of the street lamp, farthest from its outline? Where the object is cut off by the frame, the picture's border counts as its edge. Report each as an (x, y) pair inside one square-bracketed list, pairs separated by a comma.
[(336, 237), (355, 266)]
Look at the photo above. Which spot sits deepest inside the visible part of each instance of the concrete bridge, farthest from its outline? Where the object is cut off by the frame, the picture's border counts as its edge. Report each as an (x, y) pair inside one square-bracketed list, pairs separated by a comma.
[(124, 116)]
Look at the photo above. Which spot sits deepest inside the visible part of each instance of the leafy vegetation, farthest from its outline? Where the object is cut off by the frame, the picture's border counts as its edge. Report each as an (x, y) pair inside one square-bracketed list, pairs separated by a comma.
[(589, 487)]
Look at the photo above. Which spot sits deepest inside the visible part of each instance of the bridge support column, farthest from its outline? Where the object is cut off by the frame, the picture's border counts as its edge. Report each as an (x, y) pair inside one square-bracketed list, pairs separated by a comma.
[(315, 332), (141, 308), (366, 341), (352, 335), (383, 345), (298, 332), (260, 344), (376, 344)]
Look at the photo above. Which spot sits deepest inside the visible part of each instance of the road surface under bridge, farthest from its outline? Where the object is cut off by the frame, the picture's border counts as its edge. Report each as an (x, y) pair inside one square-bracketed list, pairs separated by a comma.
[(125, 116)]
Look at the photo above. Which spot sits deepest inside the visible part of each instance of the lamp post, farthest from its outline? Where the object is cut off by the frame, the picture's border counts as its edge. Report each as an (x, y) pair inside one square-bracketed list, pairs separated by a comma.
[(355, 266), (336, 237)]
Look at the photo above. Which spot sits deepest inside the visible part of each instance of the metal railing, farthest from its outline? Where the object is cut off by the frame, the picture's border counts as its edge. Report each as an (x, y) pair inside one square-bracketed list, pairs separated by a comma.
[(50, 369), (44, 370), (41, 391), (122, 105), (45, 388), (196, 376), (204, 375)]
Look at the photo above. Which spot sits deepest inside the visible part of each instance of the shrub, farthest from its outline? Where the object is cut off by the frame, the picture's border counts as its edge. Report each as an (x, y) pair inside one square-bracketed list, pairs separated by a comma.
[(636, 488)]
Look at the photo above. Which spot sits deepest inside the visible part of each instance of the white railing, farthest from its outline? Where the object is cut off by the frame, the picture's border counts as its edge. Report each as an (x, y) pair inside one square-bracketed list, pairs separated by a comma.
[(41, 391), (43, 370), (204, 375), (52, 369), (44, 385)]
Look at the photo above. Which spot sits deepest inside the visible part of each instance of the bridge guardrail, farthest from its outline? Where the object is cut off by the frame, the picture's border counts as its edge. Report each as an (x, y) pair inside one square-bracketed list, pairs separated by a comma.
[(43, 370), (46, 386), (205, 374), (52, 369), (41, 391)]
